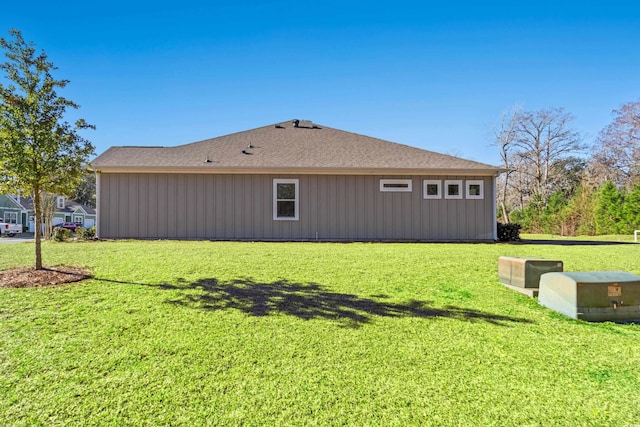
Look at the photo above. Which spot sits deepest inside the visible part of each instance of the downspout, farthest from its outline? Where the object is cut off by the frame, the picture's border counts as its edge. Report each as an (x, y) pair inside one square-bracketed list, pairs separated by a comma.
[(495, 212), (98, 199)]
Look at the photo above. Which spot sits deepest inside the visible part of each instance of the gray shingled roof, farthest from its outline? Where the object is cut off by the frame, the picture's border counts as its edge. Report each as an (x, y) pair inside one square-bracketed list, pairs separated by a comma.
[(70, 206), (284, 146)]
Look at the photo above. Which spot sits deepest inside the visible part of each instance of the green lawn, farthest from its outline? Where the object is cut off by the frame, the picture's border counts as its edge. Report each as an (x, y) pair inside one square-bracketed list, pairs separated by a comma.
[(204, 333), (610, 238)]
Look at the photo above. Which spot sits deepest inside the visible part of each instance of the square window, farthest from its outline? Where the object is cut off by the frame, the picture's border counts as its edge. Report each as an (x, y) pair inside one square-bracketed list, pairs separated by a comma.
[(285, 199), (432, 189), (453, 189), (475, 189), (395, 185)]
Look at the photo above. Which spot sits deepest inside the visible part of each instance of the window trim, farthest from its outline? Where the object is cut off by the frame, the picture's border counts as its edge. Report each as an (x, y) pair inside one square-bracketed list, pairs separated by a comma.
[(427, 182), (468, 185), (60, 202), (296, 216), (449, 182), (75, 219), (407, 182), (7, 219)]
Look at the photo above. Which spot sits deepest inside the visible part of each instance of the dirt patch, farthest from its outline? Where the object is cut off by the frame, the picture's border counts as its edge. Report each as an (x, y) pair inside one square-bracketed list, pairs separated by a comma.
[(30, 277)]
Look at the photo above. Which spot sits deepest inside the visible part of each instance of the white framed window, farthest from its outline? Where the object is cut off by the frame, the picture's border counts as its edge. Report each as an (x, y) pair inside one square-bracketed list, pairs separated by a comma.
[(78, 219), (475, 189), (11, 217), (432, 189), (403, 185), (285, 199), (60, 202), (453, 189)]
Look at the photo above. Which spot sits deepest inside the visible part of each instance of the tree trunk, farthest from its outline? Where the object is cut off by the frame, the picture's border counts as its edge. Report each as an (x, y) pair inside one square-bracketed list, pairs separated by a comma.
[(38, 219), (505, 214), (503, 201)]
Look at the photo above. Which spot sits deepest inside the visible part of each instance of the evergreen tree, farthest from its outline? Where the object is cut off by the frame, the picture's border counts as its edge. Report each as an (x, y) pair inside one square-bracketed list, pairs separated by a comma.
[(632, 209), (609, 211), (550, 218), (578, 217)]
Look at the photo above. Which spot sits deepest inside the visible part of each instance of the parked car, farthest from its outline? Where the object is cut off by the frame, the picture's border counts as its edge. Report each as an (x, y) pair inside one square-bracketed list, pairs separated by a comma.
[(10, 229), (68, 225)]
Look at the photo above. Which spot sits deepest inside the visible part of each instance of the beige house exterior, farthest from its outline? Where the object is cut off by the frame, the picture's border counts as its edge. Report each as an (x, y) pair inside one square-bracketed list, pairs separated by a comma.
[(293, 181)]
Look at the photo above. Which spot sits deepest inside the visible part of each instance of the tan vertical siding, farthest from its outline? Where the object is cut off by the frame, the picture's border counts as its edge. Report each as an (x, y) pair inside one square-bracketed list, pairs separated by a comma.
[(209, 207), (190, 206), (162, 205), (200, 213)]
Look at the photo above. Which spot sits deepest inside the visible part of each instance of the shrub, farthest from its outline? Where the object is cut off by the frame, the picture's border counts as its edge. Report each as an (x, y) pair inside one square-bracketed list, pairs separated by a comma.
[(86, 233), (80, 232), (61, 234), (508, 232)]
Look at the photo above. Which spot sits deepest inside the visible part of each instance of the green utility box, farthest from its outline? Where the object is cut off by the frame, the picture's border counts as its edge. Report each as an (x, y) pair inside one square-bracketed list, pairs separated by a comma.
[(593, 296), (525, 272)]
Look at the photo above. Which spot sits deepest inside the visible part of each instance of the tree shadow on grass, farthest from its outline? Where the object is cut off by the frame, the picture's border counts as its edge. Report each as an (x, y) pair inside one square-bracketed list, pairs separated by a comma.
[(312, 301)]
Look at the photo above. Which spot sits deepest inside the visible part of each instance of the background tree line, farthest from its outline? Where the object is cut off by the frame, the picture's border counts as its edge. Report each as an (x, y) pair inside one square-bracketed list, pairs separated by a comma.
[(556, 183)]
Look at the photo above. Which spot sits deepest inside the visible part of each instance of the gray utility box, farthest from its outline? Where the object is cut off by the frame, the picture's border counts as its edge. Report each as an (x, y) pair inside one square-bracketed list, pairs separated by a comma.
[(594, 296), (525, 272)]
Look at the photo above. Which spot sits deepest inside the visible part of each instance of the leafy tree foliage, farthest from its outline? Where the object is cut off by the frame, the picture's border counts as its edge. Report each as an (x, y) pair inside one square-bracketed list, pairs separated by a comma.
[(609, 211), (631, 209), (40, 151), (551, 188), (567, 175), (85, 191), (578, 217)]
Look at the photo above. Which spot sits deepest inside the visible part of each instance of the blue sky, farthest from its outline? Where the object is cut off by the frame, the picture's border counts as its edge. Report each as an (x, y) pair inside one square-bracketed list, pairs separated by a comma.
[(428, 74)]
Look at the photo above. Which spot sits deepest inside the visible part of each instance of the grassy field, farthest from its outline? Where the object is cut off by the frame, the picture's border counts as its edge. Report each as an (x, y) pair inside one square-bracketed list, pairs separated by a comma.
[(222, 333), (628, 238)]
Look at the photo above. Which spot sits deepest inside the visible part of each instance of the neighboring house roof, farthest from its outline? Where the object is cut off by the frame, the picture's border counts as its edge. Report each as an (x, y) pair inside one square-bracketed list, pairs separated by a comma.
[(285, 147), (69, 206), (17, 202)]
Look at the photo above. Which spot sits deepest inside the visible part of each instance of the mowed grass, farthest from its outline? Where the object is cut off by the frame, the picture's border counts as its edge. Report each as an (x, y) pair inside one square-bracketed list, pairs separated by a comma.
[(628, 238), (224, 333)]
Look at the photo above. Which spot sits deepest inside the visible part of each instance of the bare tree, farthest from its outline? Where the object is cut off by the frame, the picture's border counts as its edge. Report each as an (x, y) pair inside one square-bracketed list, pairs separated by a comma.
[(504, 139), (544, 138), (521, 184), (617, 152)]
